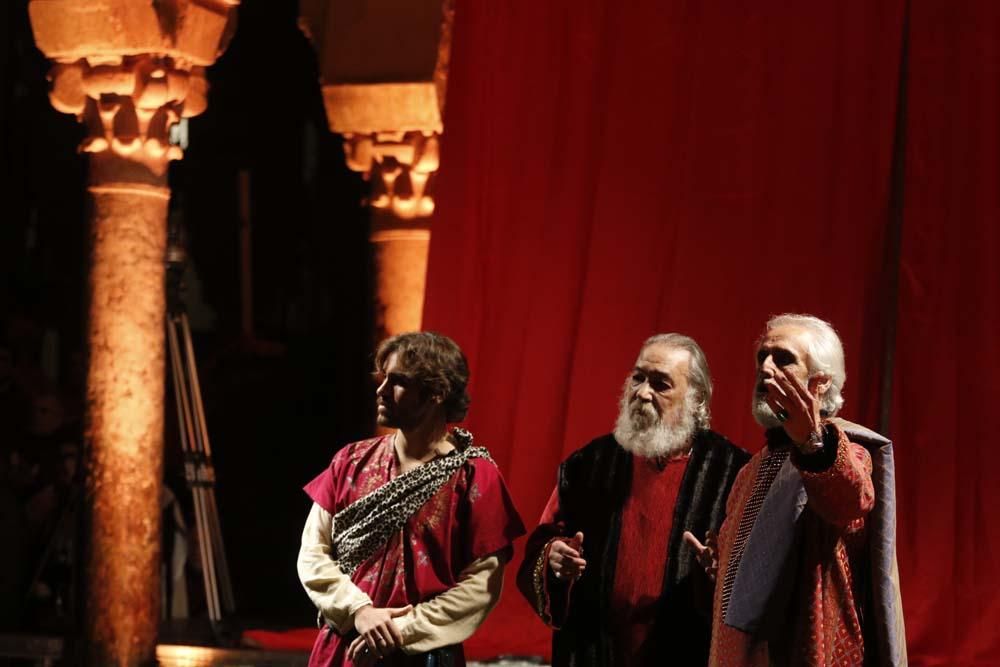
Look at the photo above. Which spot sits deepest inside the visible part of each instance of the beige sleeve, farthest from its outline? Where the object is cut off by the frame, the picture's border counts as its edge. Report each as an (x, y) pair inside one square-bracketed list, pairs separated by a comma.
[(330, 589), (452, 617)]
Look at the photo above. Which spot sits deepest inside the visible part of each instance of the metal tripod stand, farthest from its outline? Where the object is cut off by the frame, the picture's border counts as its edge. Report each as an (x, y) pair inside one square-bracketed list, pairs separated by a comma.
[(198, 470)]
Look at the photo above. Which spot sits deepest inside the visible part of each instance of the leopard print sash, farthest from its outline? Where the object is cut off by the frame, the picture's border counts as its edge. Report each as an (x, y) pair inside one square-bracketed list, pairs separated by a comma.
[(364, 526)]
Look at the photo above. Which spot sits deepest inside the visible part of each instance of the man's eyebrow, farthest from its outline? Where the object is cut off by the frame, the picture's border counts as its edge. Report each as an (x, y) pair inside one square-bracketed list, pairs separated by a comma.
[(765, 350), (653, 373)]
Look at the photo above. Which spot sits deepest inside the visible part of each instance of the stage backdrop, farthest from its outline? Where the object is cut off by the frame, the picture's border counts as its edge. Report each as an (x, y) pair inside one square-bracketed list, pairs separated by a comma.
[(616, 169)]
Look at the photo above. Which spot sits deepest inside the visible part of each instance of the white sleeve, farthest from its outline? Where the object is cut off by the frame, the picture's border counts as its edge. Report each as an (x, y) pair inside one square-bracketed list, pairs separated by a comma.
[(329, 588), (452, 617)]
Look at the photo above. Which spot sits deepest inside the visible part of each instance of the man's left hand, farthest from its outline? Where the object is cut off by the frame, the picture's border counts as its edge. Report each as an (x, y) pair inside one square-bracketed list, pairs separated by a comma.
[(378, 631), (362, 656), (785, 393)]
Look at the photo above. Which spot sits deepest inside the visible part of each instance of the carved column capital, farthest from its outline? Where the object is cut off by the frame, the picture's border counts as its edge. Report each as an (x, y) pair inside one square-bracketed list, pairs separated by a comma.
[(128, 104), (399, 164), (129, 71), (383, 68)]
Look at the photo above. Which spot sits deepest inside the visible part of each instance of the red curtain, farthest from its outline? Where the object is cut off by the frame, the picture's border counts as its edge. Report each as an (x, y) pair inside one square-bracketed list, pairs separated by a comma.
[(616, 169), (947, 368)]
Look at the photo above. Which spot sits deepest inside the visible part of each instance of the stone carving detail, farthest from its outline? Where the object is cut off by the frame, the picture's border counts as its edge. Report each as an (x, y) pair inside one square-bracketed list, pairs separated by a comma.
[(128, 104), (400, 164)]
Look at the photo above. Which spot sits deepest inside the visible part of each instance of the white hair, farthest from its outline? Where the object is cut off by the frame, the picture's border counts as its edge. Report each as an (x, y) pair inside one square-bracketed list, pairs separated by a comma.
[(826, 355)]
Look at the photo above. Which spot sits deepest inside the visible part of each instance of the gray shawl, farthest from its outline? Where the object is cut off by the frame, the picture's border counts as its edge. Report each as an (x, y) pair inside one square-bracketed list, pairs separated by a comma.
[(771, 539)]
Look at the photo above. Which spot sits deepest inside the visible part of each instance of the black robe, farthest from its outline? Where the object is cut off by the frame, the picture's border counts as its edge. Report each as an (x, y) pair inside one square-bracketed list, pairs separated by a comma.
[(594, 483)]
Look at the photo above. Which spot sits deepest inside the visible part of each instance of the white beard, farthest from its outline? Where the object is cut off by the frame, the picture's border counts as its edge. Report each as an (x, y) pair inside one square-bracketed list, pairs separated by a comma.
[(763, 413), (640, 431)]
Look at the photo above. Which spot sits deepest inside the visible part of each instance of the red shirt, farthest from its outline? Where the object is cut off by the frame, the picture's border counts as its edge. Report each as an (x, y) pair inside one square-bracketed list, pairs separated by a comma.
[(647, 519)]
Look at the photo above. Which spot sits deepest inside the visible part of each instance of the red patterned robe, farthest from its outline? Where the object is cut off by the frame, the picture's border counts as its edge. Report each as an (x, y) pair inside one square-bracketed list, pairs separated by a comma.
[(471, 516), (821, 625)]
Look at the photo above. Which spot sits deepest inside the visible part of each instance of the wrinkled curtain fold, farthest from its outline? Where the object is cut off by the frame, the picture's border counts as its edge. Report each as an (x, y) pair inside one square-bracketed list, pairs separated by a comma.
[(947, 367)]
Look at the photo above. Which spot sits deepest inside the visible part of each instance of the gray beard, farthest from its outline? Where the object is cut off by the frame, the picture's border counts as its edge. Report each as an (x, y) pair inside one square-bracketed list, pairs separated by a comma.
[(640, 431), (762, 412)]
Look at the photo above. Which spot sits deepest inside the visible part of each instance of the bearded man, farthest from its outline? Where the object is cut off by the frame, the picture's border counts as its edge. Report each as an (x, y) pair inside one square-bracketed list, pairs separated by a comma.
[(806, 558), (607, 567)]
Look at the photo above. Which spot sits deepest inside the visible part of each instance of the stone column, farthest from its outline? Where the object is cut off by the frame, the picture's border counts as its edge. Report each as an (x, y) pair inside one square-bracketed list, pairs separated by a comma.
[(383, 70), (128, 71), (399, 166)]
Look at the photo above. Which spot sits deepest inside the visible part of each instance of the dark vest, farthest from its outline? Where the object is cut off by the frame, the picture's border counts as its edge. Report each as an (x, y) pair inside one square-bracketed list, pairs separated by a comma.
[(594, 483)]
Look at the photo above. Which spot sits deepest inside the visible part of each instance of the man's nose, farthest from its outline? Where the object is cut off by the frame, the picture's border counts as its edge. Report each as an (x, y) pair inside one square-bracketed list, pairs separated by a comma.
[(380, 390), (768, 367), (644, 392)]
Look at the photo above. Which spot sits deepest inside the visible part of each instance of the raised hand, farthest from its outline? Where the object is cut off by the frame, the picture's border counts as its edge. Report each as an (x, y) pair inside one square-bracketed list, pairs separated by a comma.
[(707, 554), (566, 558), (800, 406)]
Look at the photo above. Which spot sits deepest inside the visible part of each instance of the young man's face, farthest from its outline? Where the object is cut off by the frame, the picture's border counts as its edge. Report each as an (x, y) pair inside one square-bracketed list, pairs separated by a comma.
[(400, 400)]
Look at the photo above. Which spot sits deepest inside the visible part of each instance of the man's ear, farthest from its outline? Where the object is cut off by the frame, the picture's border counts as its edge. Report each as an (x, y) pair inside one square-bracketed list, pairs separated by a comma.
[(820, 384)]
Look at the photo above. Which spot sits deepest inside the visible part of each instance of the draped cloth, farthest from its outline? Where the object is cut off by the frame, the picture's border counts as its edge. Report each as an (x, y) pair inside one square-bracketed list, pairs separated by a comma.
[(470, 516), (365, 525), (759, 569)]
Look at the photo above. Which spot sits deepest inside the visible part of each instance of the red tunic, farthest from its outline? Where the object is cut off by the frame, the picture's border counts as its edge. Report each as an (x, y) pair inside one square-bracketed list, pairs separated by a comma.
[(823, 628), (470, 516), (646, 521)]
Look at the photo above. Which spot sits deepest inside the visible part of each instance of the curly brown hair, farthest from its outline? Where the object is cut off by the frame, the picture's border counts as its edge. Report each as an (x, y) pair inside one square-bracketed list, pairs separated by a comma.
[(436, 363)]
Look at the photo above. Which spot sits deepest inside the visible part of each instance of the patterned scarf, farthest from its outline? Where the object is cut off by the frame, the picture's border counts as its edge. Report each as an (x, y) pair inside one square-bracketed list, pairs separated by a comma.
[(364, 526)]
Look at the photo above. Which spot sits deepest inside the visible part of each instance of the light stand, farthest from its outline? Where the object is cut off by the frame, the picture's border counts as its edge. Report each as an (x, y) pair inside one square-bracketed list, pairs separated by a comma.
[(198, 470)]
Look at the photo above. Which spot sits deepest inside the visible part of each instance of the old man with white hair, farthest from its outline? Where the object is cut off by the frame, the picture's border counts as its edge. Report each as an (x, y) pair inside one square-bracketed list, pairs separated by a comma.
[(805, 561), (607, 567)]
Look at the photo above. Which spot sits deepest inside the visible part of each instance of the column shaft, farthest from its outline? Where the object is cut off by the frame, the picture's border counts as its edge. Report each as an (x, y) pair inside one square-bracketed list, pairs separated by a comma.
[(125, 386)]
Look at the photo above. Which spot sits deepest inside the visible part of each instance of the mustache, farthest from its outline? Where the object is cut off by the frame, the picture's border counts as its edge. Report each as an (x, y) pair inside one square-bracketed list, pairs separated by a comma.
[(637, 407)]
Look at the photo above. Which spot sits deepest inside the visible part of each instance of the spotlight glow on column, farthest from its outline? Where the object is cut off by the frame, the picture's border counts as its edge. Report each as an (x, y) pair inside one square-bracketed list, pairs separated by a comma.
[(125, 386)]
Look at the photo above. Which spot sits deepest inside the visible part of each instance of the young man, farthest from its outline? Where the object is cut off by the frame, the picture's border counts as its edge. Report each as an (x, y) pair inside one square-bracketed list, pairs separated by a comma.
[(404, 548)]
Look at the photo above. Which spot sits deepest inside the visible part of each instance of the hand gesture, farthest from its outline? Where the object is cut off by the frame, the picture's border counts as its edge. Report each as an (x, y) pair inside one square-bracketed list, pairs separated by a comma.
[(707, 554), (378, 634), (566, 558), (797, 407)]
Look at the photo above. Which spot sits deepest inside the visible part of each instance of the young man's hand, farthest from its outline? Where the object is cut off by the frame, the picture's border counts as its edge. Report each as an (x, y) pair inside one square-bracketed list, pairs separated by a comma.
[(378, 634)]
